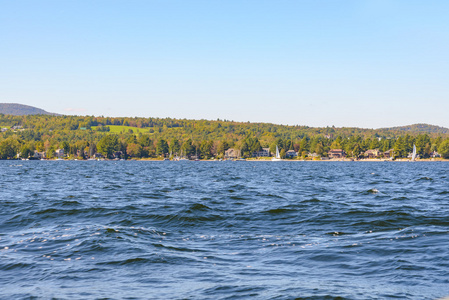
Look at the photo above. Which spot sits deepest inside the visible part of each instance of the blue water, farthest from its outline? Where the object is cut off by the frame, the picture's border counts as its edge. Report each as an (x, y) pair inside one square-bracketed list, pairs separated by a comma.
[(201, 230)]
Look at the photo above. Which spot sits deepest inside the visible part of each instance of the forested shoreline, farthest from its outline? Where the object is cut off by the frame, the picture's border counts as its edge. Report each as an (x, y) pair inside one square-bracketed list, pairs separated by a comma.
[(82, 137)]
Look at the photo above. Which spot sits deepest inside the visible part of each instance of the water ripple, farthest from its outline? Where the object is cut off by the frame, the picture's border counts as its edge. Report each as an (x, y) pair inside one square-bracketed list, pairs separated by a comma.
[(303, 230)]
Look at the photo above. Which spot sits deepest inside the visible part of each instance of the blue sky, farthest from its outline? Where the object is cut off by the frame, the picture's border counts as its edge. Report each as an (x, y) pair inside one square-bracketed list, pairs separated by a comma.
[(318, 63)]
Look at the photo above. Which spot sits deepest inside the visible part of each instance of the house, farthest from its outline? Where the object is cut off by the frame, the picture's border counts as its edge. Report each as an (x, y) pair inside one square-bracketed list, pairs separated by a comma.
[(434, 154), (389, 153), (336, 153), (291, 154), (4, 129), (39, 155), (313, 155), (98, 155), (59, 153), (265, 152), (232, 153), (373, 153), (79, 152), (117, 154), (410, 155)]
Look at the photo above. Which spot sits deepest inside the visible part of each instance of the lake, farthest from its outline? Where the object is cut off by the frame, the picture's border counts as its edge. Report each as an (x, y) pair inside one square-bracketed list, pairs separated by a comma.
[(201, 230)]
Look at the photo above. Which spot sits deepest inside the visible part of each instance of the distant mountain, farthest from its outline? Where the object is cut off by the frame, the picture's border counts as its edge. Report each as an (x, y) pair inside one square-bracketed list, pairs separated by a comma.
[(20, 110), (420, 128)]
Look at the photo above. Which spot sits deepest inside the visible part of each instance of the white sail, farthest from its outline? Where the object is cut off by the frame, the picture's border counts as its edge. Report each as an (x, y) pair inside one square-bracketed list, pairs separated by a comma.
[(278, 156), (414, 152)]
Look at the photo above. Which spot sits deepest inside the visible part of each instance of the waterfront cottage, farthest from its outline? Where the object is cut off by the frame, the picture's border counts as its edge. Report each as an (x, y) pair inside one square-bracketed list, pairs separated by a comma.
[(434, 154), (265, 152), (389, 153), (117, 154), (336, 153), (232, 153), (98, 155), (291, 154), (39, 155), (373, 153), (59, 153)]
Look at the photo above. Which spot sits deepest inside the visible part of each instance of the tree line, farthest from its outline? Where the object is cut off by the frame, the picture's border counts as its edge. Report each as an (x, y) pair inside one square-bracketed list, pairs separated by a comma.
[(82, 137)]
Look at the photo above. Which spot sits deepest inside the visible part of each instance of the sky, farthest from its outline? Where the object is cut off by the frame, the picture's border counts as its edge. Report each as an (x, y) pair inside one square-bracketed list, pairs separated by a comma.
[(358, 63)]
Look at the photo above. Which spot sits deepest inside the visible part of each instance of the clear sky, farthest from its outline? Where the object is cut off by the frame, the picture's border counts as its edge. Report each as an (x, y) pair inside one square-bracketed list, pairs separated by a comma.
[(318, 63)]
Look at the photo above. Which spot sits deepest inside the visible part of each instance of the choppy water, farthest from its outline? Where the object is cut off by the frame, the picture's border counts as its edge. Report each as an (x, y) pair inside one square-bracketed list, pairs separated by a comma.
[(201, 230)]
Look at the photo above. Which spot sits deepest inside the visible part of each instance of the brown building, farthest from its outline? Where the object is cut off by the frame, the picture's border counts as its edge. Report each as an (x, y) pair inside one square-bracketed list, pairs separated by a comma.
[(389, 153), (232, 153), (373, 153), (336, 153)]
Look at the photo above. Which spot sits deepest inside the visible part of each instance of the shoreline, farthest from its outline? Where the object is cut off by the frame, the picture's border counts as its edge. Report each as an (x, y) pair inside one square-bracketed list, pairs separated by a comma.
[(246, 160)]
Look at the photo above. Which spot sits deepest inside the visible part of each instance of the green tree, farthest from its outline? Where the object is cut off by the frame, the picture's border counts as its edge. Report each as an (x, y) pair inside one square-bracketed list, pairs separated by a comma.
[(25, 151), (222, 147), (282, 153), (50, 154), (427, 150), (9, 148), (256, 146), (108, 145), (187, 148), (303, 145), (356, 150), (66, 146), (319, 149), (335, 145), (145, 141), (443, 149), (92, 149), (161, 147), (206, 148), (400, 148), (174, 146), (374, 144)]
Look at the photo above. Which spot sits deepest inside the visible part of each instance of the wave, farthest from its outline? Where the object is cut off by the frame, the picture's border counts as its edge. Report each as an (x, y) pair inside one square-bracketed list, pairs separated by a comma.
[(319, 231)]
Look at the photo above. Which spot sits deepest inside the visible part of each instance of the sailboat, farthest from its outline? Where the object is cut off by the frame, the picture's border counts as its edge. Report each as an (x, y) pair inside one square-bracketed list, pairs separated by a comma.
[(278, 156), (414, 153), (182, 158)]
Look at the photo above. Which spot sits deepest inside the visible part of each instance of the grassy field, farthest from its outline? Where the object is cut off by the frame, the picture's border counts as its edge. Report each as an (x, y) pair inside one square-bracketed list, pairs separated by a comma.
[(120, 128)]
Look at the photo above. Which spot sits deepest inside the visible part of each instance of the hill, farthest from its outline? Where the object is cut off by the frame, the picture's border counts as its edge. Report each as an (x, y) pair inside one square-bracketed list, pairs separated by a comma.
[(21, 110), (157, 137), (420, 128)]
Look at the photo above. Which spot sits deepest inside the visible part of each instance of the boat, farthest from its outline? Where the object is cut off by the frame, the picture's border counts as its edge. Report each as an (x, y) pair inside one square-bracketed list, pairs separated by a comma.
[(278, 156), (414, 153), (182, 158)]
